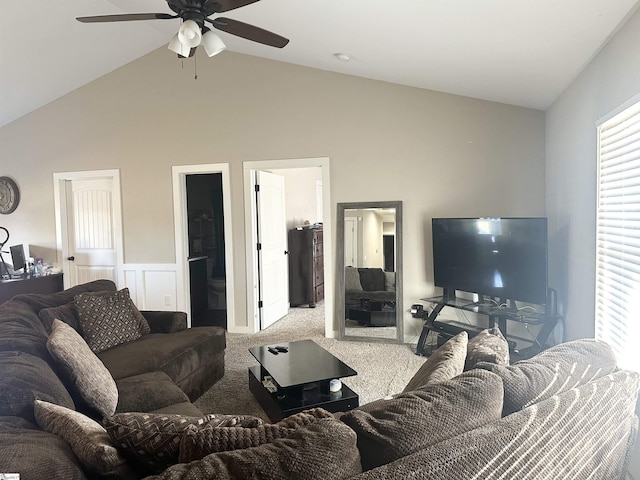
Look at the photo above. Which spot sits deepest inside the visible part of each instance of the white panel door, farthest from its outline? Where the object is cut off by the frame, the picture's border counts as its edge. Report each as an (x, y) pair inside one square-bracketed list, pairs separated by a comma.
[(350, 241), (273, 264), (92, 252)]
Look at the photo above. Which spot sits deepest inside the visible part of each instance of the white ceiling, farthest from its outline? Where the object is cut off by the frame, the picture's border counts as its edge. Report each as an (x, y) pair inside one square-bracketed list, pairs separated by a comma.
[(520, 52)]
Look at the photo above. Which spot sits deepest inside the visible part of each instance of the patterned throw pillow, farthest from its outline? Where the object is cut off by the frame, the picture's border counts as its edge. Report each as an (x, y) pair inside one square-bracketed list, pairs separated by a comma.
[(198, 442), (85, 373), (153, 439), (412, 421), (87, 438), (487, 346), (325, 450), (109, 320), (444, 364)]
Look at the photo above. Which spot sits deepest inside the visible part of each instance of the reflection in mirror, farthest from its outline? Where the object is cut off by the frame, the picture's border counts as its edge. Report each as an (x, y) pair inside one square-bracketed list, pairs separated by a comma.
[(370, 271)]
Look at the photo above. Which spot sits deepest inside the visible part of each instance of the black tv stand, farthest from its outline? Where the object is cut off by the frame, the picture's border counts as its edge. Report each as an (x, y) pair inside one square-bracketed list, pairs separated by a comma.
[(499, 314)]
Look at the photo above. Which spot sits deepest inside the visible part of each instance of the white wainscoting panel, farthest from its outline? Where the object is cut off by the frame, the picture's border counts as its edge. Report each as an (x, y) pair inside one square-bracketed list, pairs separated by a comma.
[(152, 286)]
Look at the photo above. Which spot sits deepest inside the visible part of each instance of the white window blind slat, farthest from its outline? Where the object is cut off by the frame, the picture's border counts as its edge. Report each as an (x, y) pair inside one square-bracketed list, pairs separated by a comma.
[(618, 236)]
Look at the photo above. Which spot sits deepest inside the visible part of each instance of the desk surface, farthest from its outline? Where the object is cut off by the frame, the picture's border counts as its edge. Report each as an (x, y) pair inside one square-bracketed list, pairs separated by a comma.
[(9, 288)]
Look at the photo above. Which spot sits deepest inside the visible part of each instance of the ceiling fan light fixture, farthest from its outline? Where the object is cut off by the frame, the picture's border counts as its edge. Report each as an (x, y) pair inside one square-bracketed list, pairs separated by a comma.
[(175, 45), (212, 43), (189, 34)]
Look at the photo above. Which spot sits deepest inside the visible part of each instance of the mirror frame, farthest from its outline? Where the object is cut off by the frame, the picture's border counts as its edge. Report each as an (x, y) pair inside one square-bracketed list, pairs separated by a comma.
[(340, 281)]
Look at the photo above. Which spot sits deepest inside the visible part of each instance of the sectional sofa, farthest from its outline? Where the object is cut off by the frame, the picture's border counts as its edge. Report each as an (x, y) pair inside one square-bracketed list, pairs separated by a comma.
[(161, 371), (467, 413)]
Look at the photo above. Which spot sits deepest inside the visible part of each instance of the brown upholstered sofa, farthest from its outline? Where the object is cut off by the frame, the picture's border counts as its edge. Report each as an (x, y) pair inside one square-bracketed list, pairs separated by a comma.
[(162, 371), (467, 413), (369, 286)]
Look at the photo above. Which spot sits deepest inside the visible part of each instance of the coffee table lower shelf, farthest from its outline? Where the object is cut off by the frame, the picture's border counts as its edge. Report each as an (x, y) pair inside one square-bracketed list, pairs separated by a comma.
[(296, 400)]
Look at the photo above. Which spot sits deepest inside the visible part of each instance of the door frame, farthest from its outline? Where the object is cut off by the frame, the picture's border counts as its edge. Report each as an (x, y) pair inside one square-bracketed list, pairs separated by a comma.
[(179, 179), (61, 214), (249, 181)]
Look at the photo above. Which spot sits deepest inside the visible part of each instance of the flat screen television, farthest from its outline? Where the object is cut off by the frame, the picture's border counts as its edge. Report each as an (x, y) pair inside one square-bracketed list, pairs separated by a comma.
[(499, 257)]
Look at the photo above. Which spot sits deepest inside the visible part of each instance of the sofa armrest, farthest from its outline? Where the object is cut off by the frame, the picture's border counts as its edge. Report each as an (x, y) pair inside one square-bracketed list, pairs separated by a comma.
[(165, 322)]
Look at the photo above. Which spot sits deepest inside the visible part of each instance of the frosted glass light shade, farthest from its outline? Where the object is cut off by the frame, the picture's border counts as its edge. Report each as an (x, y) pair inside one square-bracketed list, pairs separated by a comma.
[(189, 34), (176, 46), (212, 43)]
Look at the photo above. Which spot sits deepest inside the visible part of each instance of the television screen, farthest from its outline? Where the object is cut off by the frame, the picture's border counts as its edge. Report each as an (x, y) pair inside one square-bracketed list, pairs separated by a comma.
[(499, 257), (17, 258)]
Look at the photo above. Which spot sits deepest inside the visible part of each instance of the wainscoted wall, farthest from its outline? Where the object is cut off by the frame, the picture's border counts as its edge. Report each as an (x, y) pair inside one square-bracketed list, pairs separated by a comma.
[(152, 286)]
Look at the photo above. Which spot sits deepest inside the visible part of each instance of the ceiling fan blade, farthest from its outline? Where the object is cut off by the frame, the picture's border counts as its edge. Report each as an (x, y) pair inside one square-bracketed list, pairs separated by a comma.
[(127, 17), (249, 32), (219, 6)]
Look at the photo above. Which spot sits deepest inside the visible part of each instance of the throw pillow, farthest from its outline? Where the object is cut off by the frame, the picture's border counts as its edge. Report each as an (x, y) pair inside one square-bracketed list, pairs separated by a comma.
[(487, 346), (86, 374), (153, 439), (414, 420), (556, 370), (325, 450), (109, 320), (444, 364), (390, 281), (87, 438), (67, 313), (372, 279), (198, 442), (352, 279)]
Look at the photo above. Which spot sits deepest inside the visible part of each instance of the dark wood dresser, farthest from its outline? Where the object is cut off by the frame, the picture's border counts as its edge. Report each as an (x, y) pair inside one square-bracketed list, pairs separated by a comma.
[(45, 284), (306, 266)]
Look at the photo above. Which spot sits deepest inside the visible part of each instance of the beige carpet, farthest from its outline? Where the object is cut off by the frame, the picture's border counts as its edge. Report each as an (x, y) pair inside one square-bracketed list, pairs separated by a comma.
[(383, 369)]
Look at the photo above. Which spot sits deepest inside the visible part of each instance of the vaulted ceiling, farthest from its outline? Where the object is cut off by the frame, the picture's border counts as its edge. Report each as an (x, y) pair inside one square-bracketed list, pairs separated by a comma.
[(520, 52)]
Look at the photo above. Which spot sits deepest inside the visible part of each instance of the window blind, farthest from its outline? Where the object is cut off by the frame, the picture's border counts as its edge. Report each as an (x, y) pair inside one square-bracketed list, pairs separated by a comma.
[(618, 236)]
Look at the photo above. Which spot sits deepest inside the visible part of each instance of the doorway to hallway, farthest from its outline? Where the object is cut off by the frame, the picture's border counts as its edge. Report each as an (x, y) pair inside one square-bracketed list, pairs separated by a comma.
[(253, 272)]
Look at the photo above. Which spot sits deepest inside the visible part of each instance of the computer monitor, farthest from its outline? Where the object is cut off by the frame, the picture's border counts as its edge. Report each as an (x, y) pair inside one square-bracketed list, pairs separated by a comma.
[(18, 259)]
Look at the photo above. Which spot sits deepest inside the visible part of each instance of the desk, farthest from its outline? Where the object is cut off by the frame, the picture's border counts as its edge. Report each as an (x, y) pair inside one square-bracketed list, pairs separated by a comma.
[(45, 284)]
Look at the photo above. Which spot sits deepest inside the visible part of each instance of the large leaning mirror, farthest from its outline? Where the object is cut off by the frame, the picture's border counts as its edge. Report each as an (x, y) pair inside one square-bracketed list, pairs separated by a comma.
[(369, 277)]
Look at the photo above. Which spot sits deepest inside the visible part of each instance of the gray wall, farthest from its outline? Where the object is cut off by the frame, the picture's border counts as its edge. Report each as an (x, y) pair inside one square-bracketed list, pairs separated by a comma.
[(300, 194), (611, 79), (442, 155)]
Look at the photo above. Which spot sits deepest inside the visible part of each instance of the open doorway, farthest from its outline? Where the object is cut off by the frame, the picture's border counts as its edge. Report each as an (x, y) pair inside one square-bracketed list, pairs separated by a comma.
[(207, 268), (253, 274), (214, 269)]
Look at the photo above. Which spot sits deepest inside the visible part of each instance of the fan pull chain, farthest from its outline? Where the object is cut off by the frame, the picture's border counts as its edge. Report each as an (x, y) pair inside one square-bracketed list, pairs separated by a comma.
[(195, 66)]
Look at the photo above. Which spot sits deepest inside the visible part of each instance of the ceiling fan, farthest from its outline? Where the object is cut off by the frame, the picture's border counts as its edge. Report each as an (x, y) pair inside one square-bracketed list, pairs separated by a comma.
[(193, 31)]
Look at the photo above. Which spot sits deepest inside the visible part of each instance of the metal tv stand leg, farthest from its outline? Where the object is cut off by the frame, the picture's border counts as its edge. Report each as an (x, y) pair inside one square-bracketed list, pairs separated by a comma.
[(428, 327)]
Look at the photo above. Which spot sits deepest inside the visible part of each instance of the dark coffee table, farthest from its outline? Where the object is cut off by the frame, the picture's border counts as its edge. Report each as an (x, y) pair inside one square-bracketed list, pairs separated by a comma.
[(301, 377)]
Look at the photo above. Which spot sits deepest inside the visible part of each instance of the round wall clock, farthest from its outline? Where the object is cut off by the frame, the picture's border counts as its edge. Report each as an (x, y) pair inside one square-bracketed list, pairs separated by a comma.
[(9, 195)]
